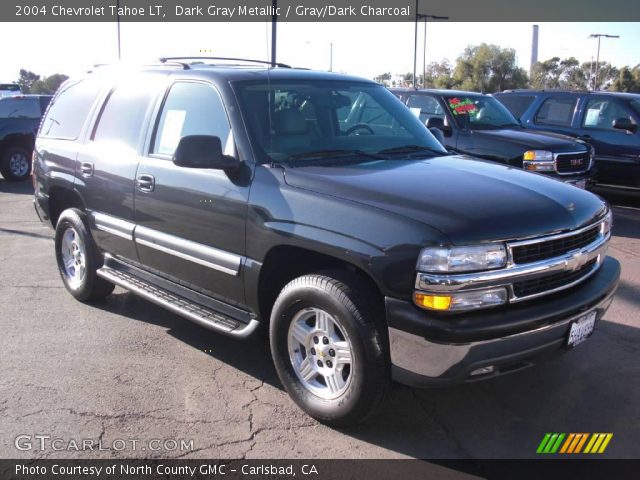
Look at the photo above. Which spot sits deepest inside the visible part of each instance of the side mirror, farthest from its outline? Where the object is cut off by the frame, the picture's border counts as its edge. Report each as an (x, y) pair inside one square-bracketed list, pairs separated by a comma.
[(625, 124), (436, 132), (203, 151)]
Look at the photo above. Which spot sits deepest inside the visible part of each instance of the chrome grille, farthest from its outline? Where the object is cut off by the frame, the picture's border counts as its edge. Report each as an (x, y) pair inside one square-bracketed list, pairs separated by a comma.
[(555, 281), (543, 250)]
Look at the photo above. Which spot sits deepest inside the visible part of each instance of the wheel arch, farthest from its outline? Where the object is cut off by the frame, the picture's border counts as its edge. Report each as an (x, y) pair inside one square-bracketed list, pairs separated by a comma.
[(61, 198)]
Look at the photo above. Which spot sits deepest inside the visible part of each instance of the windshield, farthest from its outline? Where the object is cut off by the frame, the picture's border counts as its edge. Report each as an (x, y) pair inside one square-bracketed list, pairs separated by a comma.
[(475, 111), (298, 122)]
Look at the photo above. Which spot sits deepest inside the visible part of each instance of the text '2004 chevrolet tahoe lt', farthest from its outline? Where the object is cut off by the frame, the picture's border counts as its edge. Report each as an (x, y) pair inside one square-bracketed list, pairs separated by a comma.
[(319, 206)]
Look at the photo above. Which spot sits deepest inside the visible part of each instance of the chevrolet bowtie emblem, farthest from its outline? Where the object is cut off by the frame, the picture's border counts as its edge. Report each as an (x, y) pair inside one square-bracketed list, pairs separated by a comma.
[(577, 260)]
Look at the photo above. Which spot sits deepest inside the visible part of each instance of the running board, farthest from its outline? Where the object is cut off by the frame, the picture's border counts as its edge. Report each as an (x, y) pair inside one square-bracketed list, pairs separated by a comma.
[(195, 312)]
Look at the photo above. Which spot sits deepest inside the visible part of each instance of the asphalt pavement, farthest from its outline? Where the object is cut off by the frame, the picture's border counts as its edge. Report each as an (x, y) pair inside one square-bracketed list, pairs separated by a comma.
[(124, 371)]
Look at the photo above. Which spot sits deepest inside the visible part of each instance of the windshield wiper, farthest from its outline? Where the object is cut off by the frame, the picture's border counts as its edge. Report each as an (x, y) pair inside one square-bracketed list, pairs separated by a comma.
[(331, 154), (411, 149)]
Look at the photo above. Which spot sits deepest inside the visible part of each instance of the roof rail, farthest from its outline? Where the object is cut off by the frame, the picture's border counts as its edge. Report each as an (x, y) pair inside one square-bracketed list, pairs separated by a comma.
[(184, 66), (281, 65)]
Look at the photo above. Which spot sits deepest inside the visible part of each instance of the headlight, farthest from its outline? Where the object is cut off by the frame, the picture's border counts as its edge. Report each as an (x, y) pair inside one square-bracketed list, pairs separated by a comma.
[(461, 300), (607, 223), (538, 161), (462, 259)]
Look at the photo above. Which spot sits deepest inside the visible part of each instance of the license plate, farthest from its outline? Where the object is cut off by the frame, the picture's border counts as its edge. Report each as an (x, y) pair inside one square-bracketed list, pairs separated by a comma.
[(582, 328)]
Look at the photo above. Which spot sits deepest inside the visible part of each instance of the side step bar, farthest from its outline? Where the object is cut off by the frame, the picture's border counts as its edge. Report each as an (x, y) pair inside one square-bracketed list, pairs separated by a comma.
[(195, 312)]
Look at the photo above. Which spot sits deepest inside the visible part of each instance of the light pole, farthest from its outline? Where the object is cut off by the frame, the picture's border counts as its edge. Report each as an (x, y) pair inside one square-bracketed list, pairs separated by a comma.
[(118, 26), (599, 36), (415, 46)]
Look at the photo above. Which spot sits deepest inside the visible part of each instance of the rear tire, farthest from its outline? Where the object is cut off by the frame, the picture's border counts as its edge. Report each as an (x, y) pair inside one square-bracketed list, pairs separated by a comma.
[(78, 258), (15, 164), (329, 348)]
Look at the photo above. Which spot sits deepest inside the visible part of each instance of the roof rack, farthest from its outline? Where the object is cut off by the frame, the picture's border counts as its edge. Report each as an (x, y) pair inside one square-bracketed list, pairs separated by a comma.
[(186, 65)]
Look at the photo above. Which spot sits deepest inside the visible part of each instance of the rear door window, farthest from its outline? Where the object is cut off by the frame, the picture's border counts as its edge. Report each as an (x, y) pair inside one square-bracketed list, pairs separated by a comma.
[(556, 111), (69, 110), (123, 114)]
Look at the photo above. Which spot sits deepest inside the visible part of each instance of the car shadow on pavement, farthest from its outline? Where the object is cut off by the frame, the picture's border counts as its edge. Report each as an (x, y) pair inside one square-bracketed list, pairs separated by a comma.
[(17, 188), (251, 356), (626, 222), (587, 390)]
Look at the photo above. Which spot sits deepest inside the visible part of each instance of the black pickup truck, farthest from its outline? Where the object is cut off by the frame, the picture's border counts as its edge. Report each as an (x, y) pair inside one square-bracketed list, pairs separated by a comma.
[(318, 206), (19, 120), (479, 125)]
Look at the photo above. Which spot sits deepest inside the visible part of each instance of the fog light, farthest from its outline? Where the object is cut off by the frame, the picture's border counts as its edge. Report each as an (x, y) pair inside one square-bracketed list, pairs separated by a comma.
[(461, 300)]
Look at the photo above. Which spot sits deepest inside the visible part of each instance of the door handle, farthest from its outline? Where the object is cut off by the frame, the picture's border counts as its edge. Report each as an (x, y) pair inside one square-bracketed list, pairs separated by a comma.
[(86, 168), (146, 183)]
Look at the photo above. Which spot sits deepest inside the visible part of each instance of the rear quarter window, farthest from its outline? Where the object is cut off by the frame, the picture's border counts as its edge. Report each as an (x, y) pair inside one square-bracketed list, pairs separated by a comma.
[(69, 109), (516, 104), (19, 108)]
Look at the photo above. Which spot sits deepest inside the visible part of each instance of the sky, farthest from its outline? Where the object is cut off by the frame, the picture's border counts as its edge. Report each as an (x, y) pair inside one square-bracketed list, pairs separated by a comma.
[(363, 49)]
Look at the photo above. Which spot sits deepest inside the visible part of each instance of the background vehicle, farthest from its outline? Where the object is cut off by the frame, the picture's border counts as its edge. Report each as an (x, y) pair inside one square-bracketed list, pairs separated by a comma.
[(19, 120), (478, 125), (9, 90), (319, 206), (607, 120)]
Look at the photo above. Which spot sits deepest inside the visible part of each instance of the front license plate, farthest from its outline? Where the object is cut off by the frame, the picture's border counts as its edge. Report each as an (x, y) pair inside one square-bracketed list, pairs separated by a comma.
[(582, 328)]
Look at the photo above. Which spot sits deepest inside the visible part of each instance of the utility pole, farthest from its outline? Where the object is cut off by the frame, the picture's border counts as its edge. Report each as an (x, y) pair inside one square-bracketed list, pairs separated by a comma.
[(331, 56), (415, 47), (118, 27), (599, 36), (274, 31)]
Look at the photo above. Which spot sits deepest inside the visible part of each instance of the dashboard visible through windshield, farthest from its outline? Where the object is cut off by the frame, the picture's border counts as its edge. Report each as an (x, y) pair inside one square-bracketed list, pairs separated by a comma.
[(305, 121)]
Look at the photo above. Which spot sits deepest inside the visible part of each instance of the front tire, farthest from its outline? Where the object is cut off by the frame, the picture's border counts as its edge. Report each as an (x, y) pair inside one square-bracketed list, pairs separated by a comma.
[(78, 258), (329, 349), (15, 164)]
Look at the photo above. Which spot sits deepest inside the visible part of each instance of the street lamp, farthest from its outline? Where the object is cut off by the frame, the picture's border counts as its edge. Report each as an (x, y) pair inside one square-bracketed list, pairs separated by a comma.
[(599, 36), (415, 47)]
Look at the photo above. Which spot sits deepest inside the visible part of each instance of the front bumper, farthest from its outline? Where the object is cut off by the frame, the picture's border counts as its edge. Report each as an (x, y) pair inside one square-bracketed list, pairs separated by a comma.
[(430, 349)]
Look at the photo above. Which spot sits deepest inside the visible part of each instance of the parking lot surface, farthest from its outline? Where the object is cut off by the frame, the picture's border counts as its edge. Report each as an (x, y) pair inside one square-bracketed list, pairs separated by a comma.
[(127, 370)]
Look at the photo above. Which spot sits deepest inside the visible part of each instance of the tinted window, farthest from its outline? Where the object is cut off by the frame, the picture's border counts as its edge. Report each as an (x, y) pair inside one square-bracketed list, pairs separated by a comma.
[(69, 110), (10, 87), (122, 117), (190, 109), (19, 108), (355, 119), (601, 113), (517, 104), (479, 111), (556, 111), (427, 107)]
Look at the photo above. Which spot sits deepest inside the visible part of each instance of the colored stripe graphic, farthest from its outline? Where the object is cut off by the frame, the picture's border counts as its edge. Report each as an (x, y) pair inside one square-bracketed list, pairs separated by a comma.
[(572, 443)]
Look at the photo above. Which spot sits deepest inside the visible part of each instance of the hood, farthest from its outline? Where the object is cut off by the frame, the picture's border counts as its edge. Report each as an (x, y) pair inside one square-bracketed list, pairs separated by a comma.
[(468, 200), (530, 140)]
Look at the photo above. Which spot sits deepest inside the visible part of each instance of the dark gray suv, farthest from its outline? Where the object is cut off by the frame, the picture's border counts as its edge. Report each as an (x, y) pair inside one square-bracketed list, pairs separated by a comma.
[(318, 206)]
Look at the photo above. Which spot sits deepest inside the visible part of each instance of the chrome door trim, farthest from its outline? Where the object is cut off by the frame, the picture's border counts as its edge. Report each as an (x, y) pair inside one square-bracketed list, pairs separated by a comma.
[(204, 255), (113, 225)]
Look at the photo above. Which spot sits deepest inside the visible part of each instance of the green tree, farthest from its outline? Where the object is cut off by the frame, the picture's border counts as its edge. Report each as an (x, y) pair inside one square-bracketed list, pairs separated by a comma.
[(488, 68), (26, 80), (628, 80), (383, 78), (439, 75), (48, 85)]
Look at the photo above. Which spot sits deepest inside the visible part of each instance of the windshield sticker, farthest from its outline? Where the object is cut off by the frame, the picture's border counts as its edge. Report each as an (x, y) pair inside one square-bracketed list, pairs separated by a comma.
[(463, 107)]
